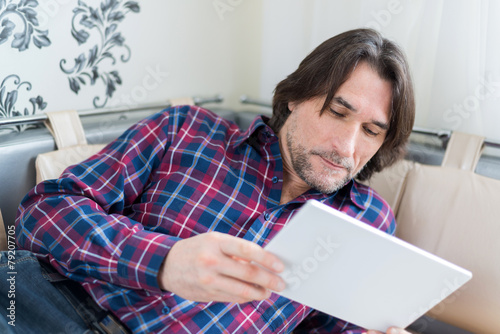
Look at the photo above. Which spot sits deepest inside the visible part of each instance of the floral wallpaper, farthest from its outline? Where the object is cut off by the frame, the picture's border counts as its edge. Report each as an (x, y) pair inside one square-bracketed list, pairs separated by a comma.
[(21, 35), (94, 24), (103, 21), (18, 22), (12, 89)]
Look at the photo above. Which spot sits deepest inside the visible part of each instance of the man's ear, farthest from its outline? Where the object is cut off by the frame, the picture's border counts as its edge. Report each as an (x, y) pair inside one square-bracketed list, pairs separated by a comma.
[(291, 105)]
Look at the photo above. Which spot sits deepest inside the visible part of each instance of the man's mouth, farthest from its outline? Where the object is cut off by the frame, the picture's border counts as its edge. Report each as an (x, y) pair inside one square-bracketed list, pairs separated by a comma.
[(334, 162), (333, 165)]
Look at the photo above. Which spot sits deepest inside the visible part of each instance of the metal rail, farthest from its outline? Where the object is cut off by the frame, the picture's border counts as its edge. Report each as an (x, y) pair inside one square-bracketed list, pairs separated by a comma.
[(248, 100), (92, 112)]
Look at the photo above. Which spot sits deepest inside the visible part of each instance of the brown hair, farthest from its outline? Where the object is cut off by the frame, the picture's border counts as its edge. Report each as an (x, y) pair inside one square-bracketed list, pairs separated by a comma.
[(324, 70)]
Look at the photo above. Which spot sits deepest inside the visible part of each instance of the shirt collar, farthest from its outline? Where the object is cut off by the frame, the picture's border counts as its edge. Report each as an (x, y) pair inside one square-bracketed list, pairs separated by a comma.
[(359, 194), (258, 129), (353, 191)]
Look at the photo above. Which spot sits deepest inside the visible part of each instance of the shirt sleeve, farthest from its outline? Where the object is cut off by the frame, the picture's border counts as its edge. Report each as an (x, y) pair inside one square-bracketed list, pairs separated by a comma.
[(80, 222), (319, 323)]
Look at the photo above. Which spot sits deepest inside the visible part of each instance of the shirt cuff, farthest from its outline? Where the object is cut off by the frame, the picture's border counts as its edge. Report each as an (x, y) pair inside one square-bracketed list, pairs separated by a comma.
[(141, 259)]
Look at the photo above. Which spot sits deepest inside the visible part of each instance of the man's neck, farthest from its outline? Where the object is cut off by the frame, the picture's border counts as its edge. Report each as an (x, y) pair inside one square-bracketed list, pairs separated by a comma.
[(293, 187)]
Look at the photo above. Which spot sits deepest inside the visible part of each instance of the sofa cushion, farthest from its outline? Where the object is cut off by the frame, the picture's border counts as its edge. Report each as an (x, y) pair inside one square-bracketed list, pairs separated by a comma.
[(450, 211)]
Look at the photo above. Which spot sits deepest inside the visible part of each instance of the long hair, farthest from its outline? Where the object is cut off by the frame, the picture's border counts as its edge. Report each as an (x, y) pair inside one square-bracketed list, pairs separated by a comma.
[(326, 68)]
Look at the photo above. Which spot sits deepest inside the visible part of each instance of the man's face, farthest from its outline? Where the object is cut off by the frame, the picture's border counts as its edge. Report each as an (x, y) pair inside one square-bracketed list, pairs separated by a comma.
[(326, 151)]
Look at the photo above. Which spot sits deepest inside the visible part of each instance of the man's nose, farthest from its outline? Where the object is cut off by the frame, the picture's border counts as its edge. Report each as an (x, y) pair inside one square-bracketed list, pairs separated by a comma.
[(345, 142)]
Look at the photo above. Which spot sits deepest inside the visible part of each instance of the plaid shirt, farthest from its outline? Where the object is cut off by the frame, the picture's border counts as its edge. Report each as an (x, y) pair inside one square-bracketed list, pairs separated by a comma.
[(109, 221)]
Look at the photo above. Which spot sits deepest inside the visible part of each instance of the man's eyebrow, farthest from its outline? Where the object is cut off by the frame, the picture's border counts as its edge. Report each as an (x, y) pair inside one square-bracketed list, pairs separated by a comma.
[(382, 125), (340, 100)]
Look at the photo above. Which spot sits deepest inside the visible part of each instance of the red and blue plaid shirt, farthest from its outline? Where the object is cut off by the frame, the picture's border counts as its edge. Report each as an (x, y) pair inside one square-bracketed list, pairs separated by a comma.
[(110, 221)]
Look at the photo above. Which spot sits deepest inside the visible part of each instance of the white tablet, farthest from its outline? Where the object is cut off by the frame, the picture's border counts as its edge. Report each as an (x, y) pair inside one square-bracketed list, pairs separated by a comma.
[(352, 271)]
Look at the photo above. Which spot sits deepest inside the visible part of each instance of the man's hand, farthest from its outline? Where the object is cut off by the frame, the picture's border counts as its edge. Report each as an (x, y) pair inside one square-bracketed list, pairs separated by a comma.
[(392, 330), (218, 267)]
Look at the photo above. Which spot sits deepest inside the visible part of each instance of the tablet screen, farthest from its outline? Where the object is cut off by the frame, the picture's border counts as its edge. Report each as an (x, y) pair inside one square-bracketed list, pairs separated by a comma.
[(352, 271)]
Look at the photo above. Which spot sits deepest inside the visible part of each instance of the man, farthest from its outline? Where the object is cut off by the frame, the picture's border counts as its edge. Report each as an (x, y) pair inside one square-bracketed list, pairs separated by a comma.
[(165, 227)]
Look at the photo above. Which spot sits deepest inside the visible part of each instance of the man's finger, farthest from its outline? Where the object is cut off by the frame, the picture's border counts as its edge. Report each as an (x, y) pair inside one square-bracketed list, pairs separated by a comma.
[(251, 273), (395, 330), (246, 250), (237, 291)]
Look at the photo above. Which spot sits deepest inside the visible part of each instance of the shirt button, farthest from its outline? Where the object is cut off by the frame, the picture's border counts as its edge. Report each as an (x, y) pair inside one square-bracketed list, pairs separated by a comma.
[(165, 310), (266, 216), (268, 135), (275, 179)]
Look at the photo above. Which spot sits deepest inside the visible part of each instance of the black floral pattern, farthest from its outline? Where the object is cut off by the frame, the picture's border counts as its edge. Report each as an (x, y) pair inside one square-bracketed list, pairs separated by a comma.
[(10, 88), (22, 11), (103, 20)]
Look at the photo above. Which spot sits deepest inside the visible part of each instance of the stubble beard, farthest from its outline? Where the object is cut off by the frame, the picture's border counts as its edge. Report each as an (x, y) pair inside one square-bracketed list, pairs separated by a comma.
[(328, 181)]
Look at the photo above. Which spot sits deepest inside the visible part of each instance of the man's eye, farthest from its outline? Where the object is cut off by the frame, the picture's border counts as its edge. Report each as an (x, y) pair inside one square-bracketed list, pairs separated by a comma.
[(370, 132), (336, 113)]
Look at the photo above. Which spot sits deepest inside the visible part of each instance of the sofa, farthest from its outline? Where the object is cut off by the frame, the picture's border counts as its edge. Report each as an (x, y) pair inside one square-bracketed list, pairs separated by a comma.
[(19, 150)]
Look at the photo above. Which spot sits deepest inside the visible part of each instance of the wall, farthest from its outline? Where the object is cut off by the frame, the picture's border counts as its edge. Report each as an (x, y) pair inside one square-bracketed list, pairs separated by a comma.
[(66, 54)]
